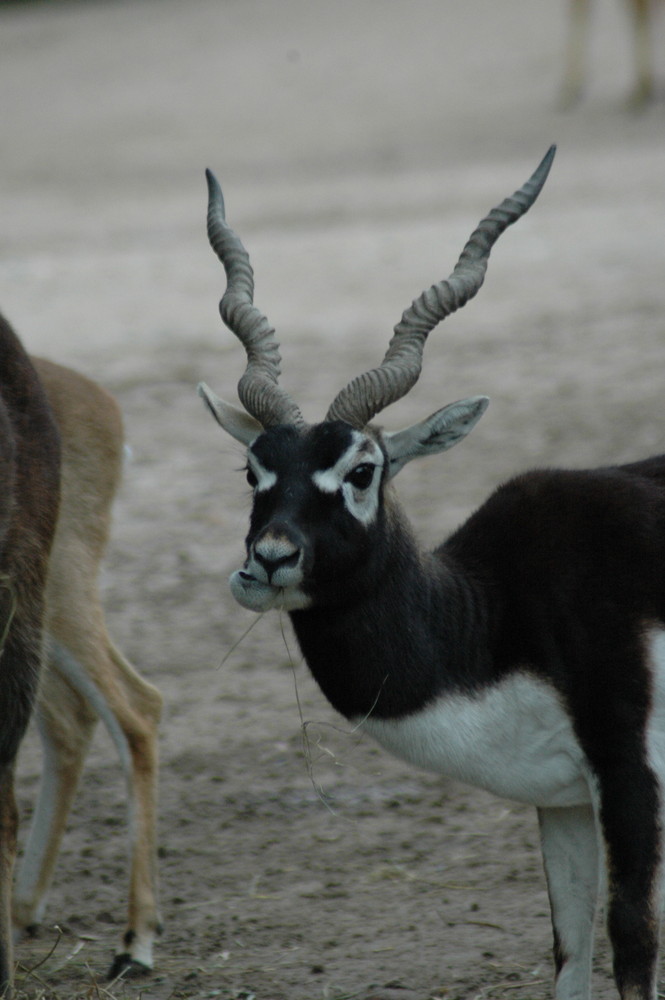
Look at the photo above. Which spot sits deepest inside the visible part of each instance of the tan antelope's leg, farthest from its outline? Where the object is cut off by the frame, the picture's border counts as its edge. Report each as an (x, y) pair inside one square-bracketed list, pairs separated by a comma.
[(87, 678), (66, 725), (138, 713), (74, 694), (130, 708)]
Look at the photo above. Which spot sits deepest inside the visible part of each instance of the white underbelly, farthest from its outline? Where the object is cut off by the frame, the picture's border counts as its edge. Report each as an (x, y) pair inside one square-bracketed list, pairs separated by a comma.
[(513, 739)]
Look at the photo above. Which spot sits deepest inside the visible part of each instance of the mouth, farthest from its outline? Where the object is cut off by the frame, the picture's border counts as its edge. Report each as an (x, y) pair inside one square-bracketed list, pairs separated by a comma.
[(258, 595)]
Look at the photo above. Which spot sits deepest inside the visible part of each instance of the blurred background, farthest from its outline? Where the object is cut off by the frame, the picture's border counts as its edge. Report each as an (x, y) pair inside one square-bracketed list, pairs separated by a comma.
[(332, 126), (358, 142)]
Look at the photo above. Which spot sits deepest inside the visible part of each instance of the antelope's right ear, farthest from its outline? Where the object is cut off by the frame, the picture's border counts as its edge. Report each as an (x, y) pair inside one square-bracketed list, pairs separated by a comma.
[(236, 422)]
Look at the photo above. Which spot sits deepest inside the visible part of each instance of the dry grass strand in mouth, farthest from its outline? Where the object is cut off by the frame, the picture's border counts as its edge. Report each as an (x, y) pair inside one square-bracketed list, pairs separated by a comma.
[(305, 724), (306, 742), (229, 653)]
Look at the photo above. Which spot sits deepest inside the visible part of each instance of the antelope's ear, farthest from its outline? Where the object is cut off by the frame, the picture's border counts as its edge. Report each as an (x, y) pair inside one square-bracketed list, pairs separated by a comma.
[(236, 422), (438, 432)]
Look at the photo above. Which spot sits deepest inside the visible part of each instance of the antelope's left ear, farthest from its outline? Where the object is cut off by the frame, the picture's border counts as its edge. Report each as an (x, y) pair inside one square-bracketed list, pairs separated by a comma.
[(437, 433), (236, 422)]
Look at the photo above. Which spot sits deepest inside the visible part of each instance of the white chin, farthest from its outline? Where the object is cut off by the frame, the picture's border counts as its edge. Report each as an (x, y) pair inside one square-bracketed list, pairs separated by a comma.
[(257, 596)]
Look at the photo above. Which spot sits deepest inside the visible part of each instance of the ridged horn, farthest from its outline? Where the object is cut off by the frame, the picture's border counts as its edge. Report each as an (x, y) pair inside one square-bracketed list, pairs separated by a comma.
[(258, 389), (369, 393)]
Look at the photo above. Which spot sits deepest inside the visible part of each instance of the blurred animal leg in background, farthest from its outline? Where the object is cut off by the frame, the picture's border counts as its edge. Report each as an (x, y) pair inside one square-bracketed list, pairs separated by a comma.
[(87, 678)]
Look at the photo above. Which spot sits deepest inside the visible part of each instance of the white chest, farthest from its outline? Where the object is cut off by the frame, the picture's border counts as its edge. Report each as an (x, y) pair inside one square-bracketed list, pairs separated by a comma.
[(513, 739)]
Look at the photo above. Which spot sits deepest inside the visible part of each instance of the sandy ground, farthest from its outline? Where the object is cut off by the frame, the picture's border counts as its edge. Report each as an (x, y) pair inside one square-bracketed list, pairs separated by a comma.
[(358, 143)]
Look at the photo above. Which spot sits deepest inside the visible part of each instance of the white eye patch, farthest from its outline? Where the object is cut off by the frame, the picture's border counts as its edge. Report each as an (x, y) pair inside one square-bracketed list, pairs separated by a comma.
[(360, 503), (265, 478)]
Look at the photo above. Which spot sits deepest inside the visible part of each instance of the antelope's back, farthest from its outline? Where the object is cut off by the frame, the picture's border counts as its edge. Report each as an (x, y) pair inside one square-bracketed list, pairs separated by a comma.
[(569, 550), (652, 469)]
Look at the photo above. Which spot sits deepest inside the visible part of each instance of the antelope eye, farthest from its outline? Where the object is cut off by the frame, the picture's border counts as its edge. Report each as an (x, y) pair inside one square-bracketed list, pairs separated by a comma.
[(251, 478), (361, 477)]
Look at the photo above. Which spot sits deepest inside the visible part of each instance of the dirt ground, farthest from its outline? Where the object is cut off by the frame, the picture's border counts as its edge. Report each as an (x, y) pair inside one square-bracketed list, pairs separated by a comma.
[(358, 143)]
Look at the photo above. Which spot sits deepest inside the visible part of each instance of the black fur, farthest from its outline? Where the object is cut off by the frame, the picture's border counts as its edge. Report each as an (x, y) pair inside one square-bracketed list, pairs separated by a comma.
[(560, 573), (29, 497)]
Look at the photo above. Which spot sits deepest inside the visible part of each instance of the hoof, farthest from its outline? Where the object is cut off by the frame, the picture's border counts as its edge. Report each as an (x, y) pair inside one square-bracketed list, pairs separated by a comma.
[(127, 967)]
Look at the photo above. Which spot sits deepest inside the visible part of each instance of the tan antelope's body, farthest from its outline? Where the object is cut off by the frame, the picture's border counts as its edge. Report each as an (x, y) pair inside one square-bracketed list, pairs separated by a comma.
[(86, 678)]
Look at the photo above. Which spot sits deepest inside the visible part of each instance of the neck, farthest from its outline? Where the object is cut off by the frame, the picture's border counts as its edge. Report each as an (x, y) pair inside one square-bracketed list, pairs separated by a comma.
[(421, 633)]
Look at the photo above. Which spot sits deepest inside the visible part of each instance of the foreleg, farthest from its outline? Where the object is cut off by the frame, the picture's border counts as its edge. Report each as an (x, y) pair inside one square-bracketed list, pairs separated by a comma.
[(569, 841), (130, 709)]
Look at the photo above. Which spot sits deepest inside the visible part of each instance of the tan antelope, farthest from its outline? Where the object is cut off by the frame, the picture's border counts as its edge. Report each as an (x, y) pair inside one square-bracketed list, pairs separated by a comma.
[(524, 655), (86, 677), (641, 13)]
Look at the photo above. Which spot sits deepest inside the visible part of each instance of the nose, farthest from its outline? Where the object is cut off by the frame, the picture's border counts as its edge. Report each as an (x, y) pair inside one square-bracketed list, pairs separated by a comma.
[(278, 549)]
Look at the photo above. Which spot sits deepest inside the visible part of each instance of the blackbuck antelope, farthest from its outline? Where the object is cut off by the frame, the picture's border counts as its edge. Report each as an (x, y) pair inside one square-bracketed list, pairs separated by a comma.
[(29, 496), (525, 655), (86, 677), (641, 14)]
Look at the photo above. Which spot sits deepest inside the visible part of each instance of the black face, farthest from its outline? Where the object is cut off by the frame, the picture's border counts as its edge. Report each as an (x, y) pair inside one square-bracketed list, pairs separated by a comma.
[(316, 505)]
